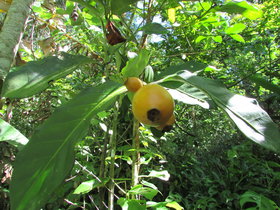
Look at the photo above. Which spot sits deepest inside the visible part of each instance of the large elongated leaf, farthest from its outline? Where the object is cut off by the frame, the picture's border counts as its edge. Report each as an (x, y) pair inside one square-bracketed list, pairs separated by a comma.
[(11, 135), (35, 76), (249, 117), (47, 159)]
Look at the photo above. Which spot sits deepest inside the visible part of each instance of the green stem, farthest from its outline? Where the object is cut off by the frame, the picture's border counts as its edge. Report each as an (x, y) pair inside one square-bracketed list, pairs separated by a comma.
[(136, 153), (113, 144)]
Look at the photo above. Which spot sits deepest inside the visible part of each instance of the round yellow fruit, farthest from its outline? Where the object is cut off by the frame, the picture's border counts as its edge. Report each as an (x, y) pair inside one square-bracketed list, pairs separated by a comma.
[(133, 84), (152, 105)]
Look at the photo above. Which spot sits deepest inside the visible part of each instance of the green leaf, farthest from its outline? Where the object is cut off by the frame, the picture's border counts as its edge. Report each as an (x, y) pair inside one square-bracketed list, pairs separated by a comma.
[(132, 204), (136, 65), (171, 12), (243, 7), (218, 39), (245, 112), (119, 7), (87, 186), (48, 157), (199, 39), (174, 205), (154, 28), (11, 135), (147, 192), (261, 201), (188, 94), (189, 65), (35, 76), (163, 175), (235, 29), (261, 81), (238, 38)]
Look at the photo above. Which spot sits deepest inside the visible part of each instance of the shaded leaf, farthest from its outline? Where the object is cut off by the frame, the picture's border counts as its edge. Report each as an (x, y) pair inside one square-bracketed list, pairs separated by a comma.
[(119, 7), (147, 192), (135, 66), (47, 159), (11, 135), (35, 76), (245, 112), (154, 28), (261, 81)]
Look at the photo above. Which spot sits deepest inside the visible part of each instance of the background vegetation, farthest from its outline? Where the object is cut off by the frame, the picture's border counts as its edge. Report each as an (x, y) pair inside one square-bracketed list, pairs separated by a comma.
[(205, 162)]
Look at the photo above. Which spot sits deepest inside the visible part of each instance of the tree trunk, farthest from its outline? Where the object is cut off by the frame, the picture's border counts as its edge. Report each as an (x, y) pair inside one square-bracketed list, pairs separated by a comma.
[(11, 34)]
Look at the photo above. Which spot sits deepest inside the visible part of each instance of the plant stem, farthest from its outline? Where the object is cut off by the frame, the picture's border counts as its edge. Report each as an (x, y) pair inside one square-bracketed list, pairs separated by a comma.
[(113, 143), (136, 154)]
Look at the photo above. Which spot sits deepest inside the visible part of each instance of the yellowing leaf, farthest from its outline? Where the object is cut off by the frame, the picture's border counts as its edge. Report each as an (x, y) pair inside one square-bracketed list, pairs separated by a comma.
[(171, 12)]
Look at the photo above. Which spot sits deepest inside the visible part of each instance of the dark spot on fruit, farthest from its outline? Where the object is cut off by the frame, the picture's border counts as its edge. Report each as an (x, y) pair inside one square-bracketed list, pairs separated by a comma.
[(153, 115)]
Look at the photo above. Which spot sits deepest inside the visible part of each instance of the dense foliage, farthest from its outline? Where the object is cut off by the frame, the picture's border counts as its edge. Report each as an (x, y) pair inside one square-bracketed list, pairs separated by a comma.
[(65, 94)]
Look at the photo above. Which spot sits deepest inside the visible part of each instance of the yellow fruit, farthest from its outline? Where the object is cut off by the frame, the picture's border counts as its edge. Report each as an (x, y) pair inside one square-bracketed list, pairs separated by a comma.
[(133, 84), (152, 105), (166, 127)]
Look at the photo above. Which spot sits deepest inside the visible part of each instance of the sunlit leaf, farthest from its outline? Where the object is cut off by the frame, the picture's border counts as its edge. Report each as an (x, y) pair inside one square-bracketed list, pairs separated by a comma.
[(11, 135), (87, 186), (171, 12), (35, 76), (135, 66), (238, 38), (48, 157), (236, 28), (217, 39), (163, 175)]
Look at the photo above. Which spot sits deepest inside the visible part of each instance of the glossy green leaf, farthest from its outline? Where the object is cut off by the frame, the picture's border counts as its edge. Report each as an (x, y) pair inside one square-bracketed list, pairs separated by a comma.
[(11, 135), (245, 112), (35, 76), (47, 159), (136, 65), (87, 186), (243, 7), (154, 28), (238, 38), (235, 29)]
